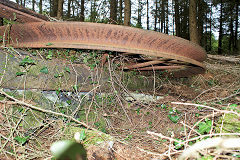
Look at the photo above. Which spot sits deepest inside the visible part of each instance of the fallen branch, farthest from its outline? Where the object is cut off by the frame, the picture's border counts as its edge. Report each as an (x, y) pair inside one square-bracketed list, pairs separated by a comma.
[(224, 58), (212, 108), (220, 143), (45, 111)]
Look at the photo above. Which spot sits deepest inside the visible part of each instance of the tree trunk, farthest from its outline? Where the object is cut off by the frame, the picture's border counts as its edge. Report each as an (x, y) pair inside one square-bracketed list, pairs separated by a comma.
[(120, 12), (173, 19), (162, 16), (177, 18), (69, 9), (139, 19), (17, 1), (156, 15), (236, 27), (82, 17), (231, 38), (93, 11), (54, 8), (184, 30), (193, 21), (113, 11), (147, 15), (210, 25), (40, 6), (127, 12), (60, 9), (33, 5), (201, 15), (73, 9), (220, 30), (167, 13)]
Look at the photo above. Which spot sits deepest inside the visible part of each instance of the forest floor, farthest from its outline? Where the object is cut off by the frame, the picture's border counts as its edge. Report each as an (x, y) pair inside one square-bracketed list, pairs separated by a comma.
[(188, 110)]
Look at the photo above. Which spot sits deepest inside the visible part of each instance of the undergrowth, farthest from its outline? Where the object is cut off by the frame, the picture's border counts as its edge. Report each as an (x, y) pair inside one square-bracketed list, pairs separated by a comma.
[(188, 111)]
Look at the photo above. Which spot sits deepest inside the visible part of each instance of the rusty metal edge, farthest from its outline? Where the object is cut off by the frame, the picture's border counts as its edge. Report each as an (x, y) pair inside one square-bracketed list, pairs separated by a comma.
[(59, 30), (22, 14)]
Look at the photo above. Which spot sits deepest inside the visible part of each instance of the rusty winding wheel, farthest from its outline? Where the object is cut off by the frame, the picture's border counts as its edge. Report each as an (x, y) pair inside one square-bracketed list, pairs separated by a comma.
[(161, 51)]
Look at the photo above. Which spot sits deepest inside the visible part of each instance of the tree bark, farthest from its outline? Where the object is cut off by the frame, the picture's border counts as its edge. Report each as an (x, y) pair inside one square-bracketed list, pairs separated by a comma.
[(147, 15), (200, 16), (231, 38), (156, 15), (167, 13), (220, 29), (82, 17), (193, 21), (54, 8), (162, 16), (236, 27), (40, 6), (210, 25), (139, 19), (113, 11), (60, 9), (120, 12), (177, 18), (69, 9), (33, 5), (127, 12)]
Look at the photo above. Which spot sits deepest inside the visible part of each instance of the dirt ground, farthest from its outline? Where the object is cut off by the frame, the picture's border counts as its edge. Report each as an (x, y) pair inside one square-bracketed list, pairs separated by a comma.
[(218, 87)]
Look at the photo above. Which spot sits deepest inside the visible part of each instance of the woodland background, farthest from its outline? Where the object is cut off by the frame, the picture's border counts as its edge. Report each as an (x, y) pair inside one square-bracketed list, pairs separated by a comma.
[(214, 24)]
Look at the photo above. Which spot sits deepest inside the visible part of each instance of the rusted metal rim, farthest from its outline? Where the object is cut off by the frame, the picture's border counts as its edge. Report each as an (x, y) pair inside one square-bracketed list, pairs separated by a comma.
[(13, 11), (103, 37)]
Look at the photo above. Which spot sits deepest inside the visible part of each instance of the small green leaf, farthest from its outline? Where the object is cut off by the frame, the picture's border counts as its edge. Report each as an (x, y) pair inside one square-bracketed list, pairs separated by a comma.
[(49, 56), (27, 61), (56, 75), (82, 135), (49, 44), (205, 127), (173, 118), (58, 91), (69, 102), (75, 88), (67, 69), (21, 140), (44, 70), (178, 145), (20, 73)]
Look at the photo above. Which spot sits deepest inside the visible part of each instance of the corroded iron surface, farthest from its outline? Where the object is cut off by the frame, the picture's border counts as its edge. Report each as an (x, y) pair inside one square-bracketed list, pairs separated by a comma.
[(105, 37), (13, 11)]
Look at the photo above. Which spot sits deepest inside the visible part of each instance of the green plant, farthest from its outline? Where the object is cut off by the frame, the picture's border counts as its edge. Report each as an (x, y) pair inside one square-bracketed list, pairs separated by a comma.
[(44, 70), (49, 55), (204, 127), (49, 44), (27, 61), (178, 145), (174, 115), (21, 140)]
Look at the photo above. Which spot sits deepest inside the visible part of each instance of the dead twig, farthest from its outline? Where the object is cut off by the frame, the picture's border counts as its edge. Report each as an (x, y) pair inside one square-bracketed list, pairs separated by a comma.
[(212, 108), (45, 111)]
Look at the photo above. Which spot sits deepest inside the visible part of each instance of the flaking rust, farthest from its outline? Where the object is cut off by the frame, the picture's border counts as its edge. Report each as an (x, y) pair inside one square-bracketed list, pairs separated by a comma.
[(103, 37), (36, 32)]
